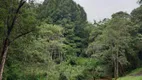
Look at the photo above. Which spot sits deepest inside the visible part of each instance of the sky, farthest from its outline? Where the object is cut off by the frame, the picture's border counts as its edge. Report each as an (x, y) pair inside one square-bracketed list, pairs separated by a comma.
[(100, 9)]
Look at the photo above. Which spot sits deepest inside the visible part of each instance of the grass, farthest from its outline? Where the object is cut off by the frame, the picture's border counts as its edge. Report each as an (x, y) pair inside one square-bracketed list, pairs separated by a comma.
[(129, 77), (135, 71)]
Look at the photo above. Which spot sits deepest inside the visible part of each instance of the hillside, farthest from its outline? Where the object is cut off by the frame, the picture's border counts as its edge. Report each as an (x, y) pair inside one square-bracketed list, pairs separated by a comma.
[(134, 75)]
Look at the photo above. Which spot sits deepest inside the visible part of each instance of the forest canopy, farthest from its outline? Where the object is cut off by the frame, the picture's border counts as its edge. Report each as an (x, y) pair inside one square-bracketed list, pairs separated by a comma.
[(54, 41)]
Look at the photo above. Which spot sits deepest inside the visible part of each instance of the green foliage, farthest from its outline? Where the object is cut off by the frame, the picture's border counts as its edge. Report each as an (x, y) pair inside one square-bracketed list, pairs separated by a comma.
[(133, 75), (71, 17), (111, 42), (64, 46), (131, 78)]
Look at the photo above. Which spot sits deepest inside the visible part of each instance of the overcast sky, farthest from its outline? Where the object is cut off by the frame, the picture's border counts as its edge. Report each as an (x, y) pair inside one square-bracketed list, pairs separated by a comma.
[(100, 9)]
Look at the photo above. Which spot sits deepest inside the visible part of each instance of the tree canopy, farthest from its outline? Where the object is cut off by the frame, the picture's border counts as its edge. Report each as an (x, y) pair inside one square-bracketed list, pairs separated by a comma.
[(54, 41)]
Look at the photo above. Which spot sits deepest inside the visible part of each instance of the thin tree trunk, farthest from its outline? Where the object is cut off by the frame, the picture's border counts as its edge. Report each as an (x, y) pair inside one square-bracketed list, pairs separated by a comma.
[(117, 66), (3, 57), (94, 78), (117, 71), (115, 76)]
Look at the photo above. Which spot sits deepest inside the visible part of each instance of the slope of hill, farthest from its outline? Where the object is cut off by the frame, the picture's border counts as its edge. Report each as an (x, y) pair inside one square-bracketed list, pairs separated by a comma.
[(134, 75)]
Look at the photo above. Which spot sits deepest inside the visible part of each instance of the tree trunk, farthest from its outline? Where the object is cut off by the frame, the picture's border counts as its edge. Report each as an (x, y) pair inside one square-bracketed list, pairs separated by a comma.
[(3, 57), (116, 66), (117, 71), (115, 76)]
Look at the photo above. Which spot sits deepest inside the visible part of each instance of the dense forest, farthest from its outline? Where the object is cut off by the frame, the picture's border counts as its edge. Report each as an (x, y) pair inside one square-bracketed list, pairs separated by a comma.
[(54, 41)]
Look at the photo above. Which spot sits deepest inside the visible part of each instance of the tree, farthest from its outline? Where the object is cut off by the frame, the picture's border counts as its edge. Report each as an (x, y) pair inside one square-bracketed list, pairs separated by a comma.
[(70, 16), (139, 1), (136, 34), (11, 16), (111, 44), (52, 37)]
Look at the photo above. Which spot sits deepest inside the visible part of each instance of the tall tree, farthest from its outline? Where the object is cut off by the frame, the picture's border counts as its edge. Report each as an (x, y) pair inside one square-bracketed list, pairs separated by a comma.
[(12, 27), (69, 15), (112, 43)]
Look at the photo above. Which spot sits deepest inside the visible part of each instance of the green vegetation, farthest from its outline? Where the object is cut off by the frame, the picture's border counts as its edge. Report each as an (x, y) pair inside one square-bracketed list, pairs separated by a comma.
[(135, 71), (133, 75), (54, 41), (131, 78)]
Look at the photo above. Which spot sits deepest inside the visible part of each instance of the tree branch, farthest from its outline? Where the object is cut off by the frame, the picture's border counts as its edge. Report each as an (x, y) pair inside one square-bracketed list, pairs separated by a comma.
[(22, 34), (22, 2)]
